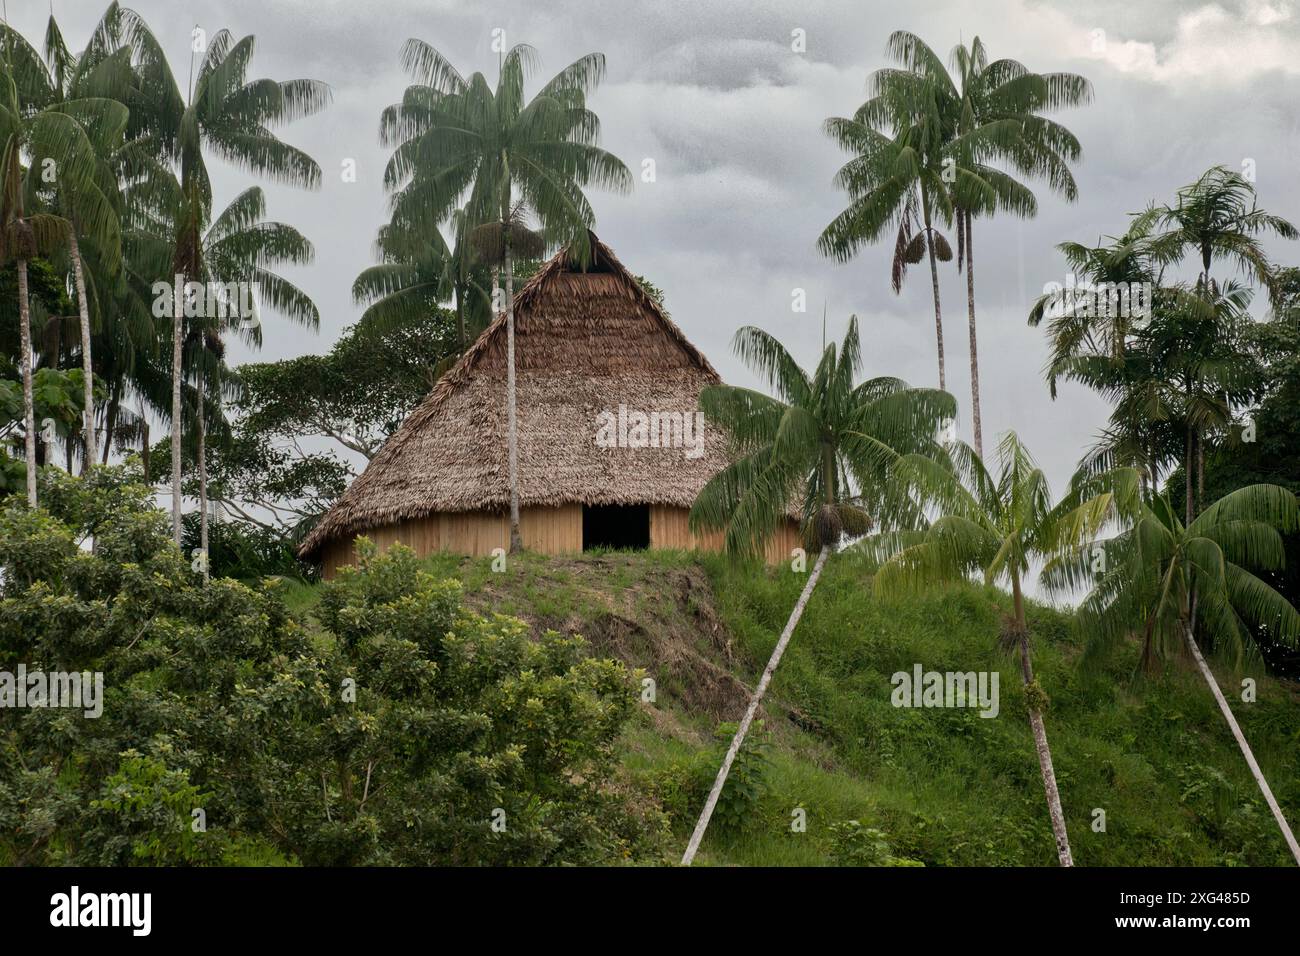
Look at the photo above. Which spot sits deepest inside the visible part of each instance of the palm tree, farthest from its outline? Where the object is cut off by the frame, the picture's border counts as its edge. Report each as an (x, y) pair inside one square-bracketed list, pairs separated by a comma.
[(92, 210), (1216, 216), (996, 527), (126, 336), (226, 113), (417, 272), (1111, 352), (1117, 261), (1161, 576), (996, 94), (40, 133), (242, 247), (934, 161), (822, 443), (1176, 367), (240, 252), (1219, 216), (456, 138), (895, 179), (1200, 343), (1146, 424)]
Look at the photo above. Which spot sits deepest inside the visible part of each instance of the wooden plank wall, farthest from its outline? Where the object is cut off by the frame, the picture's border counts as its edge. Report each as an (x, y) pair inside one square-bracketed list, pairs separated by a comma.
[(669, 528), (545, 530), (476, 533)]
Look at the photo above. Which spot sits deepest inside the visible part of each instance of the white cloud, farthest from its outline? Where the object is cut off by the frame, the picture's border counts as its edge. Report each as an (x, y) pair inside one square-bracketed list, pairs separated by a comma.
[(1211, 44)]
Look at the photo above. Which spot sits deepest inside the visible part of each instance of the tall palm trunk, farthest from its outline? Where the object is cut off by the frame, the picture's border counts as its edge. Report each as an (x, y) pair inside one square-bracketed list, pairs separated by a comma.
[(512, 425), (974, 355), (1245, 747), (203, 473), (1153, 482), (87, 367), (1040, 734), (460, 318), (178, 342), (934, 285), (29, 404), (144, 444), (110, 423), (1198, 438), (1148, 663), (1200, 470), (703, 823)]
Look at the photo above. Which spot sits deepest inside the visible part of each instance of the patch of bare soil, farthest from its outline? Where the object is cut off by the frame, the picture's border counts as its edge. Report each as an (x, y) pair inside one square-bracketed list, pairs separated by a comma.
[(664, 621)]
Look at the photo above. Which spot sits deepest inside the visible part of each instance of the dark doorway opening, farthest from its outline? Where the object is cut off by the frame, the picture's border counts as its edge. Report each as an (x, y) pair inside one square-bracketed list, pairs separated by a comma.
[(626, 527)]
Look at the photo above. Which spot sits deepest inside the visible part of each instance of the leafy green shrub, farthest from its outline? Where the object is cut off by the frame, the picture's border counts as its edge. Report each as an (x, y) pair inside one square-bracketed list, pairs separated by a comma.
[(409, 732), (747, 782), (676, 788), (496, 748), (58, 397), (1236, 818), (145, 815), (237, 549), (852, 844)]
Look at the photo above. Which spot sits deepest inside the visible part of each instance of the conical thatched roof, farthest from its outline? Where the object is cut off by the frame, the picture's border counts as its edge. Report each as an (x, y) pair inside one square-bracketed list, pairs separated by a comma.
[(586, 342)]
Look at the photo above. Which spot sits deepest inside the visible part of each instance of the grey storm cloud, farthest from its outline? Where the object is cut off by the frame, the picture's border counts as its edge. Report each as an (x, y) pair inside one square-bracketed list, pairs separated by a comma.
[(724, 64), (731, 116)]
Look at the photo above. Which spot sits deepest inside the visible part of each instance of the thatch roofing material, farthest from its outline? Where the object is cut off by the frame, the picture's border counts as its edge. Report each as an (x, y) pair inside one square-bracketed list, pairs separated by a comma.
[(586, 342)]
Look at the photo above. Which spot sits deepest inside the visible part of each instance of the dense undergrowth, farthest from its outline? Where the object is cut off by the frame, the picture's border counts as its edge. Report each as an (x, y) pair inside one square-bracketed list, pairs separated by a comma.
[(841, 775), (574, 710)]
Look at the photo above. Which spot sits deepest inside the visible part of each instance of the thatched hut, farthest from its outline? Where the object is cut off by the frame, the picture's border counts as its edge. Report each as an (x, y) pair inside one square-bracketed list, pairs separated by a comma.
[(612, 448)]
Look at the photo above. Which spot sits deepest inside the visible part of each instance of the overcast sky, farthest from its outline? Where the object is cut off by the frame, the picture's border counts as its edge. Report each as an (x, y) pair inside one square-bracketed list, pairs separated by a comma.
[(731, 115)]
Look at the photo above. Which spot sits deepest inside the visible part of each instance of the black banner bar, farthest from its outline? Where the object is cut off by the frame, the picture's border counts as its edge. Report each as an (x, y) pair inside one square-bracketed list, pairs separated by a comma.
[(333, 906)]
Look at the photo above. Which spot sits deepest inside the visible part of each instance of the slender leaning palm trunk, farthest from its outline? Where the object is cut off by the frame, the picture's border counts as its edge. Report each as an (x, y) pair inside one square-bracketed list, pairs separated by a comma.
[(29, 404), (1054, 808), (1245, 747), (934, 286), (703, 823), (976, 421), (87, 367), (178, 317), (512, 424)]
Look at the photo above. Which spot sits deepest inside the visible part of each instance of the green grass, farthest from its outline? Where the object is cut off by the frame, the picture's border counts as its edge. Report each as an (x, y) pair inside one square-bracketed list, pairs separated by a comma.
[(945, 786), (299, 596)]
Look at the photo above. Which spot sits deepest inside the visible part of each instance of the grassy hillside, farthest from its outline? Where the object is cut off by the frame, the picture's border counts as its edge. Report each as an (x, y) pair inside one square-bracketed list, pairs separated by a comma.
[(936, 786)]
